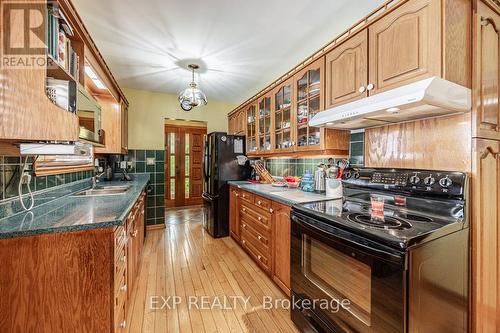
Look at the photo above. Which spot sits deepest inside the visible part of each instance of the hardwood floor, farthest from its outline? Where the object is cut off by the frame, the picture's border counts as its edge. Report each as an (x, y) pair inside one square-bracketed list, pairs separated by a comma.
[(183, 260)]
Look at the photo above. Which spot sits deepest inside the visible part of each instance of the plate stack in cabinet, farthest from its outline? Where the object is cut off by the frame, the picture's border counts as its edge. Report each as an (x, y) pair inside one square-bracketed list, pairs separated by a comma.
[(255, 228)]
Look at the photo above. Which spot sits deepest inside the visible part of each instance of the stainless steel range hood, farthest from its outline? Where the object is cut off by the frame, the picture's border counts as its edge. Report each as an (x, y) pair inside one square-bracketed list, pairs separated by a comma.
[(428, 98)]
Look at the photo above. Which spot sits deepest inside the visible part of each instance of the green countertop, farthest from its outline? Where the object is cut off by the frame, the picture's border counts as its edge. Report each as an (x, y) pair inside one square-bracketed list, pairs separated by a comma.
[(284, 195), (75, 213)]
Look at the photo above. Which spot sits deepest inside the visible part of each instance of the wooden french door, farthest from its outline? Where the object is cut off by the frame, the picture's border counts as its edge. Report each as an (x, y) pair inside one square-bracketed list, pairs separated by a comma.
[(183, 165)]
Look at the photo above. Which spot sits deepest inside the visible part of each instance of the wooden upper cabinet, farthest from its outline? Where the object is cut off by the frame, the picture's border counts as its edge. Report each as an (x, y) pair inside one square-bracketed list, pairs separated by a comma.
[(405, 45), (264, 123), (282, 116), (347, 71), (111, 123), (487, 69), (309, 100), (124, 129), (250, 113)]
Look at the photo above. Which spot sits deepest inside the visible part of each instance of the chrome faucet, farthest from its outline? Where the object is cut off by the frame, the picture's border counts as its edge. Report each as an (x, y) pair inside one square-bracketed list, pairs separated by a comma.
[(95, 178)]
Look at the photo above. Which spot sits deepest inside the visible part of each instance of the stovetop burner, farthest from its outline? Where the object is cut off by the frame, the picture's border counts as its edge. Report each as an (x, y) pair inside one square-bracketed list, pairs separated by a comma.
[(387, 222)]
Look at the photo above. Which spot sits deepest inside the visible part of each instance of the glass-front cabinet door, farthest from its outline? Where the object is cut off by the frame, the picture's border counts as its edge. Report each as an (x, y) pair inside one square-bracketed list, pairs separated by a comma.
[(283, 128), (251, 128), (309, 101), (264, 124)]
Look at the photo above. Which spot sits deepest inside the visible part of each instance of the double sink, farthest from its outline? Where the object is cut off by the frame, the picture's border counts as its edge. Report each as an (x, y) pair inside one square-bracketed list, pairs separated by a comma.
[(103, 191)]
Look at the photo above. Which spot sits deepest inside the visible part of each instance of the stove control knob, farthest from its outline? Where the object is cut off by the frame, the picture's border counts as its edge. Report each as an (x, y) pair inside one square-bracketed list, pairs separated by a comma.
[(429, 181), (445, 182), (414, 179)]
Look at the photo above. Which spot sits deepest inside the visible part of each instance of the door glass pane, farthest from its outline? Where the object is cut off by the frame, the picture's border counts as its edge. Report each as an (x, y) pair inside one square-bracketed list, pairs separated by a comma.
[(172, 165), (314, 82), (172, 143), (186, 138), (186, 189), (339, 276), (172, 188), (302, 87), (187, 166)]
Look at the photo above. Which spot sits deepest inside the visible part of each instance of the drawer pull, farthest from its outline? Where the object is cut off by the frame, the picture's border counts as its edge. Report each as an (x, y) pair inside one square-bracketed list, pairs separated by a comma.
[(243, 241), (134, 234), (123, 259), (123, 324), (259, 218), (371, 86), (259, 237), (244, 196), (259, 257), (271, 210), (244, 209), (236, 194), (123, 288), (244, 226), (259, 202)]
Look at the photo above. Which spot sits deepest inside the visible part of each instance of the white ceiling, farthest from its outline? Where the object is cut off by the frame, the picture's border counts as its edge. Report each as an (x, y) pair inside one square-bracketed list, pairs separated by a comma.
[(242, 45)]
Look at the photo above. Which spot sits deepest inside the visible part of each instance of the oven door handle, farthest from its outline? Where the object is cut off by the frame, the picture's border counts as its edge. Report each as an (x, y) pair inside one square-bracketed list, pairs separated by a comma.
[(394, 257)]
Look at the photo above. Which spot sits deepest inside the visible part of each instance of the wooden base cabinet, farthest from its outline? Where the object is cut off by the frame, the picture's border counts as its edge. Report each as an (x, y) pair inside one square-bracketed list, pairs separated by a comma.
[(71, 281), (262, 228), (486, 235), (281, 246)]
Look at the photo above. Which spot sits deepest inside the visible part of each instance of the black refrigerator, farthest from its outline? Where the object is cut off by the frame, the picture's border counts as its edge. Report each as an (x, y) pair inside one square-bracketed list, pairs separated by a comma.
[(221, 165)]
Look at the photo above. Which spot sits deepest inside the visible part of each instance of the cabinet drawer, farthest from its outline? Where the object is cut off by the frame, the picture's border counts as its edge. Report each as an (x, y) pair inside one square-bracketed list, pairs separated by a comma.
[(253, 214), (120, 316), (259, 257), (262, 202), (247, 196), (120, 236), (261, 242), (120, 261)]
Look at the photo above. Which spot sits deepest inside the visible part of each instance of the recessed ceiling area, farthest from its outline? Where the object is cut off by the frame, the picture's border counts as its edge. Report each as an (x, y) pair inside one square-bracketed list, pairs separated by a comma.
[(241, 46)]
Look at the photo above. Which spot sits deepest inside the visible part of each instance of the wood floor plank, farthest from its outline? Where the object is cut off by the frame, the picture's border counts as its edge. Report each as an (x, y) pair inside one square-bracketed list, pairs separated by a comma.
[(183, 260)]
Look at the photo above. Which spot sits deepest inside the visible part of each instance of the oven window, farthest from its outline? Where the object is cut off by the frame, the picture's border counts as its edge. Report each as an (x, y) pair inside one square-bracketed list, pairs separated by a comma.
[(339, 276)]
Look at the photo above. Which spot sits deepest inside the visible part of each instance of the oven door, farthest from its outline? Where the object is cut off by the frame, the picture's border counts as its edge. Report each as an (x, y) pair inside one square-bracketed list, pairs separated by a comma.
[(354, 284)]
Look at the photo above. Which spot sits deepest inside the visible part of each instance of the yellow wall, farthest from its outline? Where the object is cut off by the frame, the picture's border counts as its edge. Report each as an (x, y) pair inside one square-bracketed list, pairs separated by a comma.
[(147, 112)]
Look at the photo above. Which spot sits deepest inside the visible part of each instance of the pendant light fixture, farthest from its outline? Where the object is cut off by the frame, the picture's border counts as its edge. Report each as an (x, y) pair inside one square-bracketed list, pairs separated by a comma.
[(192, 96)]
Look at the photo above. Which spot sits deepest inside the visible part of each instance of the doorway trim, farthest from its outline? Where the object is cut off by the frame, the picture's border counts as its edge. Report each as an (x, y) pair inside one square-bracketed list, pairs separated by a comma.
[(184, 142)]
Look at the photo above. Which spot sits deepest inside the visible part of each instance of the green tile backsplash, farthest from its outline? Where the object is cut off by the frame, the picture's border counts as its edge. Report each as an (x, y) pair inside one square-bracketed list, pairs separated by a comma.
[(156, 200), (297, 167), (10, 167)]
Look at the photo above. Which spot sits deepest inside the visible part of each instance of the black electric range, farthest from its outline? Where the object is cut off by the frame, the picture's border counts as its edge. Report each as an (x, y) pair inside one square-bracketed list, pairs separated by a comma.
[(395, 244)]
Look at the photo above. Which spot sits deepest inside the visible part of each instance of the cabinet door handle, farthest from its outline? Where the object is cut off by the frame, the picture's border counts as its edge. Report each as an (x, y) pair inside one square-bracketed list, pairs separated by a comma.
[(243, 241), (123, 324), (243, 196), (371, 86), (271, 210), (259, 218), (362, 89), (123, 288), (259, 257), (244, 209), (123, 259), (236, 194), (134, 234), (259, 202), (259, 237)]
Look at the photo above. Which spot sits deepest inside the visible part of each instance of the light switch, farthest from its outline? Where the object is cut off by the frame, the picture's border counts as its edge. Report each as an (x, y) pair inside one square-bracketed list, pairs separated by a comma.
[(150, 161)]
